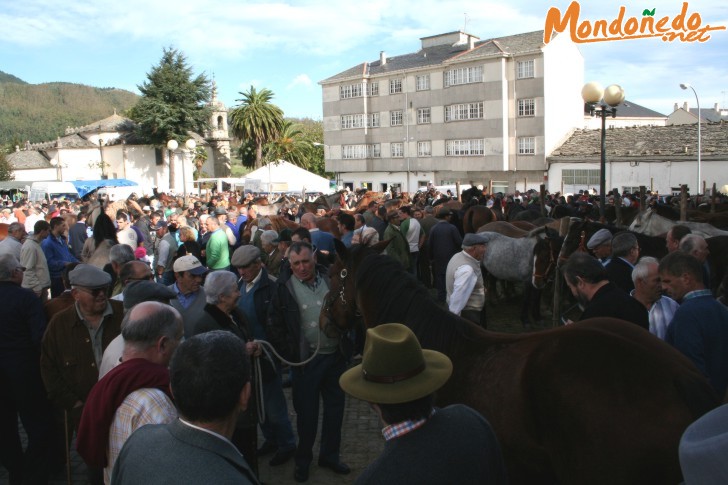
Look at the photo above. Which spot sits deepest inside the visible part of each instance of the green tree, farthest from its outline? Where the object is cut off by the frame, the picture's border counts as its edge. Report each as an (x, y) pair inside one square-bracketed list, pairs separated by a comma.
[(173, 101), (256, 119), (6, 171), (290, 145)]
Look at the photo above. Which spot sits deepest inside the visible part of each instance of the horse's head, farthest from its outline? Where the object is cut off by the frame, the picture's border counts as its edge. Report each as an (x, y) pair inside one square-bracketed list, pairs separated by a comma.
[(575, 240), (340, 311), (545, 256)]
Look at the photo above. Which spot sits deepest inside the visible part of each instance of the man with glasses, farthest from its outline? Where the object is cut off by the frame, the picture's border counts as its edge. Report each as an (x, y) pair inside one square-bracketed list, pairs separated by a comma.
[(74, 343), (625, 253)]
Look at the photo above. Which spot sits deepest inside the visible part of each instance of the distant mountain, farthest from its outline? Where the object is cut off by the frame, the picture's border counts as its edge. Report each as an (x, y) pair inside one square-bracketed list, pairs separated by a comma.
[(9, 78), (41, 112)]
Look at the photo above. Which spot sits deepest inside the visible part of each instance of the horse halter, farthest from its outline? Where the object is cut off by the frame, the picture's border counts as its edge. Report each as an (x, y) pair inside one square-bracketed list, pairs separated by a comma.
[(552, 263)]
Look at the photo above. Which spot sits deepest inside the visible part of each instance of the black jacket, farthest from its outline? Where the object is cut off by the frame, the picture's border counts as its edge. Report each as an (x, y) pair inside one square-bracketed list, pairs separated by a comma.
[(610, 301), (619, 272)]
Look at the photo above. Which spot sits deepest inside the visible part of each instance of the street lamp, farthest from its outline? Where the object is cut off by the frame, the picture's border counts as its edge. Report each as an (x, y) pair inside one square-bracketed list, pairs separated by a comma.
[(603, 103), (700, 181), (190, 144), (172, 145), (59, 174)]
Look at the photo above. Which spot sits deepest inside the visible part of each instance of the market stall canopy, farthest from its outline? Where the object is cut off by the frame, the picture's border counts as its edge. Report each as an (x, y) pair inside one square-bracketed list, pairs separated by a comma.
[(87, 186), (283, 176)]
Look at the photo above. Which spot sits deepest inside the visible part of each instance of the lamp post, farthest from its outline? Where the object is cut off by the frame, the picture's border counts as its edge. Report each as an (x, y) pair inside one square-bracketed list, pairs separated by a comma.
[(172, 145), (603, 103), (700, 181)]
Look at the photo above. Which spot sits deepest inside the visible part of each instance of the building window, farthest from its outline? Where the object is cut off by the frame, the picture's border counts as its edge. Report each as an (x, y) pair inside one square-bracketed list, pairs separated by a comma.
[(361, 151), (465, 148), (373, 120), (580, 176), (357, 90), (396, 150), (352, 121), (527, 145), (466, 111), (526, 107), (395, 86), (424, 149), (464, 75), (422, 82), (423, 116), (525, 69), (395, 118)]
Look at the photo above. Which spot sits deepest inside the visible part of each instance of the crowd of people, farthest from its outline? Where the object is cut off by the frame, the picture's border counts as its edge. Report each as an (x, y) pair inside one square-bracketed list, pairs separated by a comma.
[(154, 315)]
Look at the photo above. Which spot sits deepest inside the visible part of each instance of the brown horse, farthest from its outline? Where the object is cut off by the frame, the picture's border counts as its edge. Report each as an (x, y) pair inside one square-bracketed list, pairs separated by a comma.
[(477, 216), (599, 402), (3, 230)]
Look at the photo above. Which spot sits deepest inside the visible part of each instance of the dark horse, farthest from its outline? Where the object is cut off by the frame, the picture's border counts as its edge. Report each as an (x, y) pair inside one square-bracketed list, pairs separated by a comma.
[(598, 402)]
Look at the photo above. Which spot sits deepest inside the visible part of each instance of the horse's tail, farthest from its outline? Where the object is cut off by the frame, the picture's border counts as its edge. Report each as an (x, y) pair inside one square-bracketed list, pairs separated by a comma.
[(468, 221)]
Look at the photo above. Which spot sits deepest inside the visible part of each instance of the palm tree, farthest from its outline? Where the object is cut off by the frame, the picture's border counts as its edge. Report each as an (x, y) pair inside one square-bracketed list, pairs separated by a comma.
[(290, 145), (257, 119)]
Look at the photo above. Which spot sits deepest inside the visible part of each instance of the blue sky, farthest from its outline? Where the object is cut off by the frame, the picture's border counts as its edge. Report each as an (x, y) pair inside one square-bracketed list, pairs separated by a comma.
[(289, 46)]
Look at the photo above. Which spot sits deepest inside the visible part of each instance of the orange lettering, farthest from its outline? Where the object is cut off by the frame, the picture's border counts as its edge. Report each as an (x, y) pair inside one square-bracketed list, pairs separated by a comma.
[(554, 21), (678, 23), (584, 29), (615, 28), (630, 28), (694, 21), (660, 27), (645, 27), (600, 25)]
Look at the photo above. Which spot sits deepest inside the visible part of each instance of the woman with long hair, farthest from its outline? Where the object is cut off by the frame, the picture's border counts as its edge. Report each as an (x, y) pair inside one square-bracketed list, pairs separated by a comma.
[(96, 249)]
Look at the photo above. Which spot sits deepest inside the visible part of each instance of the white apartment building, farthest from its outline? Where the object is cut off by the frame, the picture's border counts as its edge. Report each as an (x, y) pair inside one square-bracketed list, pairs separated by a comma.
[(459, 109)]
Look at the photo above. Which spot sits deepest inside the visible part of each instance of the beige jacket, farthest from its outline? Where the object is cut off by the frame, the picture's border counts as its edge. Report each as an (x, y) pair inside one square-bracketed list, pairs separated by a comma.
[(36, 276)]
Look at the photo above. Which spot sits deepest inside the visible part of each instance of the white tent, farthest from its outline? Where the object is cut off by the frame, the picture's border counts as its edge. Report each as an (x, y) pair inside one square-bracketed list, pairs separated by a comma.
[(283, 176)]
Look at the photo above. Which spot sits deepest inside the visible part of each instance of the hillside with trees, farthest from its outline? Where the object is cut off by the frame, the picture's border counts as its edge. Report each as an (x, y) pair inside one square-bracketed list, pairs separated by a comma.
[(41, 112)]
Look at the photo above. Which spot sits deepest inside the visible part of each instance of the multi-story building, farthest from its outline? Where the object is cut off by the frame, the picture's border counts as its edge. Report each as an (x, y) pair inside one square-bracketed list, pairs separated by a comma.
[(459, 109)]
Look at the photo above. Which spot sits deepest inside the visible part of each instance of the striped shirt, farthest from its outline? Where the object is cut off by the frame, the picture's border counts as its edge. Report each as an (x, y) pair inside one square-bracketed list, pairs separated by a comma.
[(402, 428)]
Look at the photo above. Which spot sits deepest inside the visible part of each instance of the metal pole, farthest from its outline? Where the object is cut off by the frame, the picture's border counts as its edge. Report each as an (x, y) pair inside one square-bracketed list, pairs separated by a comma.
[(602, 175), (184, 180), (700, 178)]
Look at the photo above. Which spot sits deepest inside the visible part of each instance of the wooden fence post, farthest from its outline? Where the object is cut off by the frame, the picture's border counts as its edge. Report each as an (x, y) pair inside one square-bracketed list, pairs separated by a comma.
[(558, 278), (542, 198), (683, 202)]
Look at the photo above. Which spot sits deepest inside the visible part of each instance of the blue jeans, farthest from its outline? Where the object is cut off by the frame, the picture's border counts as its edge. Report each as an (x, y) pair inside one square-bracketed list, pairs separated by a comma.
[(277, 426), (319, 377)]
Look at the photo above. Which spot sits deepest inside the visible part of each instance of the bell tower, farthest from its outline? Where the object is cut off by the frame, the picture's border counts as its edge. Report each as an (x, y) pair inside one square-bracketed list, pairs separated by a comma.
[(218, 136)]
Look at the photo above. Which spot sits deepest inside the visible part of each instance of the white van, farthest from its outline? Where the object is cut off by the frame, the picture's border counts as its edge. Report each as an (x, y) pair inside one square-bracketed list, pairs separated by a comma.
[(120, 193), (52, 190)]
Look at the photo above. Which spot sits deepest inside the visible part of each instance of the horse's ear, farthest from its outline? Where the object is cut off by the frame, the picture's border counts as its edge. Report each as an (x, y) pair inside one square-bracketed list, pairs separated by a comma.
[(537, 231), (381, 245)]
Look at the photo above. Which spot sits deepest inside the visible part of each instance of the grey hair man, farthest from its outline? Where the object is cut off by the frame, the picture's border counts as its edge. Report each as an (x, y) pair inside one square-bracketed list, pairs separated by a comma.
[(14, 240), (625, 253), (119, 255), (136, 392), (697, 247), (210, 380), (647, 290), (464, 280)]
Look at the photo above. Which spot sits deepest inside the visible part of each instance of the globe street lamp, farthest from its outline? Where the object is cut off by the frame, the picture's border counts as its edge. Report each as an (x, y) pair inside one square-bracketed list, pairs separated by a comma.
[(603, 103), (55, 163), (190, 144), (700, 181)]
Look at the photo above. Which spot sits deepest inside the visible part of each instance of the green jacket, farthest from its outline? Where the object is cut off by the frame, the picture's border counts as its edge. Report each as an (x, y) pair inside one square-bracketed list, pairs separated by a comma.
[(398, 248), (216, 251)]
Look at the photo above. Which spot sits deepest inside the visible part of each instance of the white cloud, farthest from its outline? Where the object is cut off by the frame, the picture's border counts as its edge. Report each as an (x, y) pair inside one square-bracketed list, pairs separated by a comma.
[(300, 80)]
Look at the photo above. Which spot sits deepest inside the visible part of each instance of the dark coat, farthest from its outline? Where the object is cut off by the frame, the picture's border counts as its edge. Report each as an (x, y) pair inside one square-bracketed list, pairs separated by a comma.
[(443, 242), (619, 273), (610, 301), (67, 359)]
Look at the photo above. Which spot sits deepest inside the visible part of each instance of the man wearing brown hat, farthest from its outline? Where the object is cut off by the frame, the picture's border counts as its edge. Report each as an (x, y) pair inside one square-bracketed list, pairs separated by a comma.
[(399, 378), (75, 340)]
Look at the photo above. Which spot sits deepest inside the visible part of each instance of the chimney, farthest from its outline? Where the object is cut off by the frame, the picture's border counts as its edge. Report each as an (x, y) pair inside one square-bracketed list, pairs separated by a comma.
[(382, 58), (716, 108), (685, 107), (675, 108), (471, 42), (17, 148)]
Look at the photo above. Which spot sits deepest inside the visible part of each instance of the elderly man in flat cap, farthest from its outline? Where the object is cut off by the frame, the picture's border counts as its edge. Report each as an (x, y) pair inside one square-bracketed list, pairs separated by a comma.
[(464, 281), (600, 244), (398, 378), (75, 340)]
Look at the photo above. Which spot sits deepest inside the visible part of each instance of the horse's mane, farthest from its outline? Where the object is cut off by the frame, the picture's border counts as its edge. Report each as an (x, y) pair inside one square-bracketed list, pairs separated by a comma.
[(402, 299)]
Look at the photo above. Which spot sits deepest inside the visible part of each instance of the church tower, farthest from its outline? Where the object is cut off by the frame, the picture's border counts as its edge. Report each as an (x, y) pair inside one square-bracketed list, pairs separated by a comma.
[(218, 136)]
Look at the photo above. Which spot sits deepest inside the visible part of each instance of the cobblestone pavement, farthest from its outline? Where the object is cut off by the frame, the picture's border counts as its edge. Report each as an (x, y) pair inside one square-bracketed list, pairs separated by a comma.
[(361, 435)]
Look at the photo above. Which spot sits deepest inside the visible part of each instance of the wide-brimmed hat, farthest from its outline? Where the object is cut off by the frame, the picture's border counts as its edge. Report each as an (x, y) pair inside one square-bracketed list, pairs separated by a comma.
[(394, 368), (703, 448)]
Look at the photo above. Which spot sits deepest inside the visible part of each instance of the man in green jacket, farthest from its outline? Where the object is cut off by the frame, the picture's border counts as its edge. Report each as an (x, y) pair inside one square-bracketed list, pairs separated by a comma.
[(398, 247), (216, 251)]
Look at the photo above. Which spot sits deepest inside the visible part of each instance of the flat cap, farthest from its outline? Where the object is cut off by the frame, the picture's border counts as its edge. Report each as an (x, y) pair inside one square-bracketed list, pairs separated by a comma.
[(89, 276), (189, 263), (268, 236), (602, 236), (245, 255), (473, 239), (140, 291)]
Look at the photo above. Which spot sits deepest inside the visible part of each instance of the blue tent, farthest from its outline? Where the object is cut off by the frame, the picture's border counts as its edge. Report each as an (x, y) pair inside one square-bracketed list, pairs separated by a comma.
[(87, 186)]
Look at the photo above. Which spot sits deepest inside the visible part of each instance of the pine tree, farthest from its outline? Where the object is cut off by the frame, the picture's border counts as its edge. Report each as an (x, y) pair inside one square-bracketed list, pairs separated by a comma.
[(173, 101), (6, 171)]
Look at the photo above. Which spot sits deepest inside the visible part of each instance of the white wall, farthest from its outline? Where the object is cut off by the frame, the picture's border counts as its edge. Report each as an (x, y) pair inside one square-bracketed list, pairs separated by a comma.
[(563, 72)]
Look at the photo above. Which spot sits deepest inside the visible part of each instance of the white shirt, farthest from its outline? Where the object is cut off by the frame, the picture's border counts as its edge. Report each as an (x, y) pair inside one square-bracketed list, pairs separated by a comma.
[(465, 279)]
